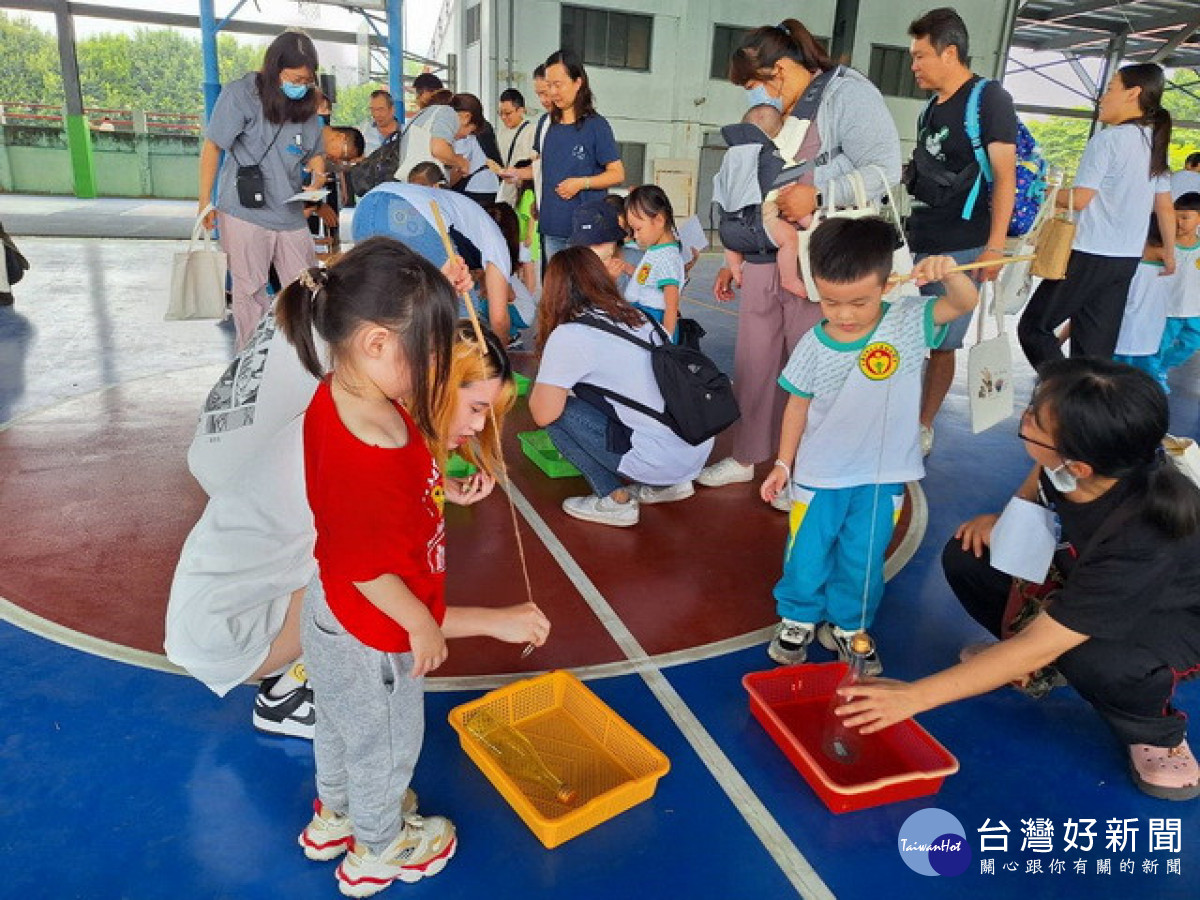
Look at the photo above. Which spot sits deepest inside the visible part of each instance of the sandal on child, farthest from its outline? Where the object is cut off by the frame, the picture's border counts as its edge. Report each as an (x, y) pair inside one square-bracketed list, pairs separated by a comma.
[(1169, 773)]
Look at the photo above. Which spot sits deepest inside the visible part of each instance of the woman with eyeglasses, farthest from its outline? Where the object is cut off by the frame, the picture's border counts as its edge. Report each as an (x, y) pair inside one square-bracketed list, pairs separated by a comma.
[(1118, 615), (267, 124)]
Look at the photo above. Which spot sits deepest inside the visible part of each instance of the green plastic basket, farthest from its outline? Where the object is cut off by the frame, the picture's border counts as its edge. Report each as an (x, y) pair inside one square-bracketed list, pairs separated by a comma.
[(538, 447), (522, 384), (457, 467)]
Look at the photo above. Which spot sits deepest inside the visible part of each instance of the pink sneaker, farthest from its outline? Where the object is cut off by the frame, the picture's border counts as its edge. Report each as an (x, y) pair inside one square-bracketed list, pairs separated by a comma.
[(1169, 773)]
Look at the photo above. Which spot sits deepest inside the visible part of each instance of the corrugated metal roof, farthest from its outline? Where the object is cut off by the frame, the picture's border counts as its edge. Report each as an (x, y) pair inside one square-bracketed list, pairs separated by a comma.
[(1162, 31)]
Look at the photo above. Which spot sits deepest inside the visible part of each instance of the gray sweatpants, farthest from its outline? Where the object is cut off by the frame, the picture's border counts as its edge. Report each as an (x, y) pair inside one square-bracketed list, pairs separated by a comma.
[(370, 723)]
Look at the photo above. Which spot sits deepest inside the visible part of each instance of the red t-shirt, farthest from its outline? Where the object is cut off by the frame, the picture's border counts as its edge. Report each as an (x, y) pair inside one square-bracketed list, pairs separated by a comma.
[(378, 511)]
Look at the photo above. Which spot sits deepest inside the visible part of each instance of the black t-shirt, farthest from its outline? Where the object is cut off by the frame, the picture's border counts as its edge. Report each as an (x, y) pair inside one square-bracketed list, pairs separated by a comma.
[(1135, 585), (943, 133)]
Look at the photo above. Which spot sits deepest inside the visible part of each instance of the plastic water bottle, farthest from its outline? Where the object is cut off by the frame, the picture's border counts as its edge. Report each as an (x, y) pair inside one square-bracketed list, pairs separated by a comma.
[(839, 742), (517, 755)]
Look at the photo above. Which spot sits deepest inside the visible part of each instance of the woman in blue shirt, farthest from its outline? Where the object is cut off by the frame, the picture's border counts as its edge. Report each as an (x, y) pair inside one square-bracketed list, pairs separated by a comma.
[(579, 155)]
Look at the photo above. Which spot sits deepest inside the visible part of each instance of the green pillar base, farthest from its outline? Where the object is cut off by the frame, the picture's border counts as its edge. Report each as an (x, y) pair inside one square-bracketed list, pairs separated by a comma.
[(83, 166)]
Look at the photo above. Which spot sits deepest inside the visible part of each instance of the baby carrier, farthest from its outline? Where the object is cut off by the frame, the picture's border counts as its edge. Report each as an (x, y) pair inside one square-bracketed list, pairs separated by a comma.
[(753, 167)]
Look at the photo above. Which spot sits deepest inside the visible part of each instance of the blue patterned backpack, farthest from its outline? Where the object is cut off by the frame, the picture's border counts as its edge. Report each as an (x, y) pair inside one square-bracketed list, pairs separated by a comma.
[(1031, 168)]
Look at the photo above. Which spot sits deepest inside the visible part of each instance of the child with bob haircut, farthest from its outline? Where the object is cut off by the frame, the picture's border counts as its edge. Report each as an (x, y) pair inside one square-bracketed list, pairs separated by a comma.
[(849, 438)]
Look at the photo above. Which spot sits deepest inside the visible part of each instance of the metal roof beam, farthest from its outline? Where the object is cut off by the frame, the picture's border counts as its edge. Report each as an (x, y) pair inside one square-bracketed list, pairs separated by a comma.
[(1178, 38), (1057, 13)]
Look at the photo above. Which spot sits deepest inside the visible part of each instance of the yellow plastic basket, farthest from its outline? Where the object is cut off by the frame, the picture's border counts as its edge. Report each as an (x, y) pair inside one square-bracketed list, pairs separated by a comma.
[(605, 761)]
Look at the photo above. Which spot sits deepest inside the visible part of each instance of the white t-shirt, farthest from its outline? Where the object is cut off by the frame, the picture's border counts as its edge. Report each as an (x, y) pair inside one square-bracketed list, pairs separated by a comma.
[(661, 265), (253, 545), (866, 397), (1183, 293), (1185, 181), (576, 353), (516, 144), (484, 181), (1116, 164), (1145, 311)]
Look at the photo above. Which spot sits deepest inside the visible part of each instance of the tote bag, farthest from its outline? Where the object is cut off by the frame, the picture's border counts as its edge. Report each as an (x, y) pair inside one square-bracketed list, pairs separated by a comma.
[(902, 259), (989, 369), (198, 278), (1054, 240)]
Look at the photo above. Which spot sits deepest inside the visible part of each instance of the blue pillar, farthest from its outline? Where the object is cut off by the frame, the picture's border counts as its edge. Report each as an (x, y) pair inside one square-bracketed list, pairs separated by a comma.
[(208, 46), (395, 46)]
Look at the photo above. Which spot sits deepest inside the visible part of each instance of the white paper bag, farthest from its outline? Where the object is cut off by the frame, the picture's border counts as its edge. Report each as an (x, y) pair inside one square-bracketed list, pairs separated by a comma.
[(1185, 455), (198, 278), (989, 370), (1023, 541), (902, 258)]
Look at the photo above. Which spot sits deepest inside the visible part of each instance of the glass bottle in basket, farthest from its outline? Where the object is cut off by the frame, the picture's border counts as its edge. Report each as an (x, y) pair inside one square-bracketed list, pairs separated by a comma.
[(517, 755), (839, 742)]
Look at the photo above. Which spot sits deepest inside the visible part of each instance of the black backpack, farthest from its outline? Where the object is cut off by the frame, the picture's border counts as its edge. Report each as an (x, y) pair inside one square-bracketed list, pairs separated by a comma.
[(377, 168), (698, 396)]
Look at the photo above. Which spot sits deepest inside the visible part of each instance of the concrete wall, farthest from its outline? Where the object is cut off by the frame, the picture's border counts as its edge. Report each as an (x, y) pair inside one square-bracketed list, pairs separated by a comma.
[(35, 160)]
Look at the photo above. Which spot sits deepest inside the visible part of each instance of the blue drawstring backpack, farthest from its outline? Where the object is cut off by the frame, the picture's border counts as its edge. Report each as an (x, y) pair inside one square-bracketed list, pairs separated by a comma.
[(1031, 168)]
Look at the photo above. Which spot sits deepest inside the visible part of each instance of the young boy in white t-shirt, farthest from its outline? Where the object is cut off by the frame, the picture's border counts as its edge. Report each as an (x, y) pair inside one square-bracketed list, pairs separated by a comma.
[(1181, 336), (849, 439)]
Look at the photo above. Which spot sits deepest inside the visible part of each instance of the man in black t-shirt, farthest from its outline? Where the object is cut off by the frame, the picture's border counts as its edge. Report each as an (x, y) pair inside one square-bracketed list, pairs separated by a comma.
[(943, 172)]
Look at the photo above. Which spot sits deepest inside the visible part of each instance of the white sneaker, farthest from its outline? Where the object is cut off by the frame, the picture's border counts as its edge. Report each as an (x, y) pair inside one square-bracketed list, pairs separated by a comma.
[(789, 646), (727, 471), (328, 835), (926, 440), (604, 510), (645, 494), (422, 848)]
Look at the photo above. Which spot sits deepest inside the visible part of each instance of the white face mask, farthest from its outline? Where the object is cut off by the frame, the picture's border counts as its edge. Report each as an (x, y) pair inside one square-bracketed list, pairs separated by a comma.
[(1062, 478)]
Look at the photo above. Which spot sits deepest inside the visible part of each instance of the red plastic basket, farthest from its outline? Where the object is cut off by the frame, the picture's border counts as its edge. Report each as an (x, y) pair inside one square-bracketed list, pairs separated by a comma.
[(898, 763)]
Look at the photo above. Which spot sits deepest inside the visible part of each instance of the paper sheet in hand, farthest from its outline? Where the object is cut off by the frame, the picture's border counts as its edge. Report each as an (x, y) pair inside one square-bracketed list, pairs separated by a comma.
[(1023, 540), (308, 196), (691, 235)]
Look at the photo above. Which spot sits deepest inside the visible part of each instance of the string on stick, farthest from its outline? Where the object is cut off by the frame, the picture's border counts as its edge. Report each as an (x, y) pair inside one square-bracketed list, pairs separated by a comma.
[(440, 223)]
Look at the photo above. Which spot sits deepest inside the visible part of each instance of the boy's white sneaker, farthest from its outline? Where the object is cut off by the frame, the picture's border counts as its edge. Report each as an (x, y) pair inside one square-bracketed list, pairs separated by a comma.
[(838, 640), (727, 471), (422, 848), (789, 646)]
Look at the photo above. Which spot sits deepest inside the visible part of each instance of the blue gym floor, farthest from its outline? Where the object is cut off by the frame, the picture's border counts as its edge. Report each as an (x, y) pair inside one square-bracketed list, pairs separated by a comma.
[(121, 781)]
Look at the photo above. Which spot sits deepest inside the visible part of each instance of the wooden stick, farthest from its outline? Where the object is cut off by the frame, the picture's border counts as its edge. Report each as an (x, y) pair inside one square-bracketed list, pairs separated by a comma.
[(967, 267), (451, 253)]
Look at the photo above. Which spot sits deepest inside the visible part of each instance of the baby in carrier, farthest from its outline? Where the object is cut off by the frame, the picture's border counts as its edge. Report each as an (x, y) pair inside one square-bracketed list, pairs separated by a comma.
[(746, 189)]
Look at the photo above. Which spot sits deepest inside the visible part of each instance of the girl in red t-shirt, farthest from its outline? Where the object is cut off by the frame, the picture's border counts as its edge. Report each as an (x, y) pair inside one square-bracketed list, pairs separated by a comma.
[(375, 619)]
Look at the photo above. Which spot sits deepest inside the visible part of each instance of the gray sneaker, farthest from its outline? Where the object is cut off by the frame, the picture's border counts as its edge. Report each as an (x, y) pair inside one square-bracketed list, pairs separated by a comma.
[(829, 638), (646, 494), (604, 510), (789, 647)]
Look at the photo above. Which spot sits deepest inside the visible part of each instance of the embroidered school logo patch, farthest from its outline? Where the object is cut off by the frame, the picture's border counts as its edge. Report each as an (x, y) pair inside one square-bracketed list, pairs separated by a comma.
[(933, 842), (879, 361), (643, 273)]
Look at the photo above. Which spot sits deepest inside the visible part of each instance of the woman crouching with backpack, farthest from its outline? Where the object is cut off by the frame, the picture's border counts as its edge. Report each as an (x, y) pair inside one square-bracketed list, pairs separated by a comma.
[(628, 457)]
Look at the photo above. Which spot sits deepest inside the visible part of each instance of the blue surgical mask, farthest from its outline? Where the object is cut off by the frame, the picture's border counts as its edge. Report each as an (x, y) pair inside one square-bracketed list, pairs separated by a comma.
[(1062, 478), (294, 91), (758, 96)]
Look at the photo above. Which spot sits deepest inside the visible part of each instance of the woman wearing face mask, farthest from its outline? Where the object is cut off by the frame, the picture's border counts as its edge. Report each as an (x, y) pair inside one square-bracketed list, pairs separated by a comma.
[(1123, 624), (267, 124), (851, 132)]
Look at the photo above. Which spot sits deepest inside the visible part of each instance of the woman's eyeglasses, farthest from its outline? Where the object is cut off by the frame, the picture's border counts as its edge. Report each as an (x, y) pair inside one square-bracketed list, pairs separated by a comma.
[(1023, 436)]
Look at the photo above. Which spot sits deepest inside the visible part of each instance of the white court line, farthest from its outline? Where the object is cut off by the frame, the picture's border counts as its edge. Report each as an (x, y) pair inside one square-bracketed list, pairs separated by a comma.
[(787, 856)]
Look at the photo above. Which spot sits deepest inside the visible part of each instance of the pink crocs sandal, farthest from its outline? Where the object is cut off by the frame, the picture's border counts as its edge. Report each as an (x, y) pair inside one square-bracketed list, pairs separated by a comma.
[(1169, 773)]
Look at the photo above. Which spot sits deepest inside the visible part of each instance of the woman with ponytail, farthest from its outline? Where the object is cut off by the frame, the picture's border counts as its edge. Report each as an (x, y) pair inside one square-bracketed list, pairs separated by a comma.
[(1122, 178), (852, 133), (1119, 616)]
